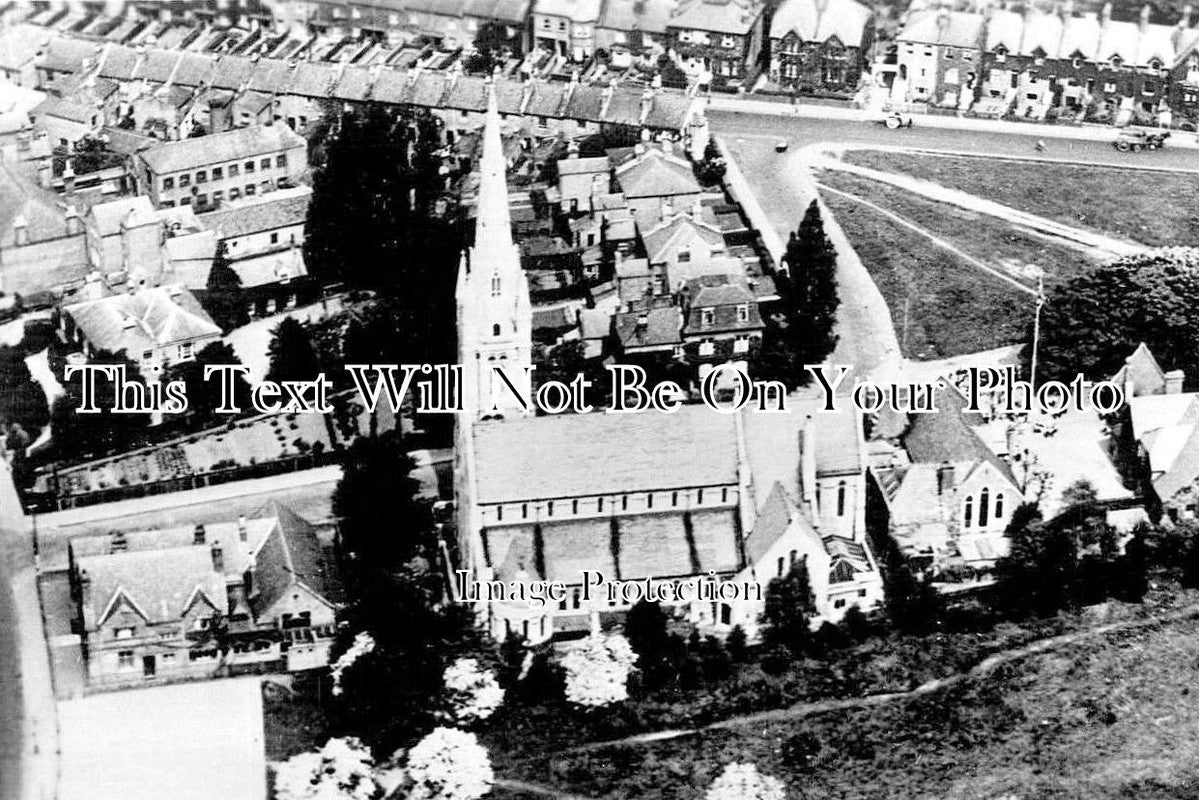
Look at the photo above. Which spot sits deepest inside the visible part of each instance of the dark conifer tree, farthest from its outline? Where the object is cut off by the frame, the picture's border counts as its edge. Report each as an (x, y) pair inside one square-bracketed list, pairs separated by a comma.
[(788, 610), (292, 355)]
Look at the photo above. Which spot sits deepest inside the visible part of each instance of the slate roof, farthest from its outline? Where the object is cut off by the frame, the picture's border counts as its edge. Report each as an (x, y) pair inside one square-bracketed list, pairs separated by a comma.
[(947, 435), (575, 10), (194, 69), (663, 242), (155, 317), (819, 21), (650, 16), (67, 55), (109, 216), (118, 62), (718, 16), (270, 268), (587, 454), (312, 79), (655, 327), (20, 44), (217, 148), (66, 109), (291, 555), (157, 66), (44, 217), (962, 29), (1142, 369), (657, 174), (160, 584), (354, 84), (265, 212), (236, 551)]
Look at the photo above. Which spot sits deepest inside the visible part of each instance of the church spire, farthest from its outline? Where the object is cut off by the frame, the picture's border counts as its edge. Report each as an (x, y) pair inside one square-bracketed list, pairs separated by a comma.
[(493, 220)]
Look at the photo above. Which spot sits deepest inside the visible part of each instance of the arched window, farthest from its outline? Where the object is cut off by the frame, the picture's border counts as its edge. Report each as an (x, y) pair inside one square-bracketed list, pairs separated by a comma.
[(495, 329), (699, 496), (495, 285), (524, 510), (984, 508), (499, 513), (624, 503), (841, 499), (724, 495), (999, 506), (674, 498), (794, 553), (968, 513), (599, 504), (781, 563), (649, 500), (549, 508), (841, 573), (574, 506)]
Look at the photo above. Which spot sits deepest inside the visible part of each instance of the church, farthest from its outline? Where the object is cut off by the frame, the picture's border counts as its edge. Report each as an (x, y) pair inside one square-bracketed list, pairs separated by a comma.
[(677, 497)]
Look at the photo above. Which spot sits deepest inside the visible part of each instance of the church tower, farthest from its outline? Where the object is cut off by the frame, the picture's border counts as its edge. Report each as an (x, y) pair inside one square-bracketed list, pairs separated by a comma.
[(495, 317)]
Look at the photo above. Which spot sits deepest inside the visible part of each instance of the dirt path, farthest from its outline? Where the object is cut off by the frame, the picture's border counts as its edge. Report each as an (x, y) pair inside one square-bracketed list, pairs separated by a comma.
[(938, 241), (987, 665), (1103, 247)]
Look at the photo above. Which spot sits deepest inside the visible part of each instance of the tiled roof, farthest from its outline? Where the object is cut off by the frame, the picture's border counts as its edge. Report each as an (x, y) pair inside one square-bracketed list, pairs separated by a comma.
[(650, 16), (118, 62), (292, 555), (354, 84), (579, 11), (159, 584), (111, 215), (663, 242), (20, 44), (228, 536), (157, 66), (312, 79), (194, 69), (149, 318), (66, 109), (1142, 369), (39, 208), (270, 268), (231, 72), (947, 435), (67, 55), (217, 148), (586, 454)]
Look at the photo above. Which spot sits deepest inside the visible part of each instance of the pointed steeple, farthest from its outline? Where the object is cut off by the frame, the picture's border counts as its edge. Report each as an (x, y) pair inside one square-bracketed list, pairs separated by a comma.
[(493, 220)]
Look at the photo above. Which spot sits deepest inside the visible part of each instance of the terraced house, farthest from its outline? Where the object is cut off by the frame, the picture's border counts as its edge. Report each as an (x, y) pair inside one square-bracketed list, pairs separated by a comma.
[(718, 41), (820, 46), (1035, 64)]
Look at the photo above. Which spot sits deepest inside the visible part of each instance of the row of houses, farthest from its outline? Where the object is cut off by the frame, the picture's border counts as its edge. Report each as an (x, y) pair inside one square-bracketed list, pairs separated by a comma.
[(1036, 63)]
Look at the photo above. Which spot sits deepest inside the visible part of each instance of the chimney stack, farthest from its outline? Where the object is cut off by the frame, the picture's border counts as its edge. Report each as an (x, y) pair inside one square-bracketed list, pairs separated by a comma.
[(20, 230), (241, 527), (945, 478), (1146, 13), (1105, 14), (1174, 380)]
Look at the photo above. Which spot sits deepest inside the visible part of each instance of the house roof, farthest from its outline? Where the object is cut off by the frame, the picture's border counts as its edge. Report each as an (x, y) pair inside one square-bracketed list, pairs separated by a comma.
[(1159, 411), (67, 55), (149, 318), (68, 110), (576, 10), (574, 455), (20, 44), (1142, 371), (821, 20), (292, 555), (23, 200), (664, 241), (237, 544), (111, 216), (649, 16), (217, 148), (265, 212), (580, 166), (160, 585), (657, 174), (949, 28), (947, 435), (655, 327), (270, 268), (718, 16)]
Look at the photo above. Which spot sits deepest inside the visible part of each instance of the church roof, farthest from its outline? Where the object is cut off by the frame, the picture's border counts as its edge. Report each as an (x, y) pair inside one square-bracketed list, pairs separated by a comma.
[(573, 455)]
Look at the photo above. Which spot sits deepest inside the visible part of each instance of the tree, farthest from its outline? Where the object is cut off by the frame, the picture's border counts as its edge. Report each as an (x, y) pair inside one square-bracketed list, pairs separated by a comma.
[(1039, 571), (343, 768), (913, 605), (1092, 322), (744, 782), (710, 171), (788, 609), (204, 396), (471, 692), (383, 521), (223, 299), (645, 628), (491, 42), (597, 670), (292, 356), (23, 401), (736, 645), (812, 262), (78, 435), (449, 764)]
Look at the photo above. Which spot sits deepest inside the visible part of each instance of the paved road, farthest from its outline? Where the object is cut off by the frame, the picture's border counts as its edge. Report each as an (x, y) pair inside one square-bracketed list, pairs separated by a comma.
[(799, 132), (11, 707)]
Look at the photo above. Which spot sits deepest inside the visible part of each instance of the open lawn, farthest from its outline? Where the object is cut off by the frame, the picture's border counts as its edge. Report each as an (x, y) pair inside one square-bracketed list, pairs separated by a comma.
[(1151, 207), (942, 304), (1113, 717)]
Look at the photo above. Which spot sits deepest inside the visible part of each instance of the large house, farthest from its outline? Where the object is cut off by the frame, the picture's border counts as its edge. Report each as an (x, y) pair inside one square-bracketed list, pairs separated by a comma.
[(820, 46), (939, 58), (566, 27), (208, 170), (718, 41), (186, 602), (677, 497), (154, 326)]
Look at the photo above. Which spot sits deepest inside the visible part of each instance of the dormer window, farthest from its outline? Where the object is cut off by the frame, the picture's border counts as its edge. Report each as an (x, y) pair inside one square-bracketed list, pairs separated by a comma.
[(1155, 64), (1117, 62), (1076, 62), (495, 330), (1001, 54), (1038, 57), (708, 316), (743, 313)]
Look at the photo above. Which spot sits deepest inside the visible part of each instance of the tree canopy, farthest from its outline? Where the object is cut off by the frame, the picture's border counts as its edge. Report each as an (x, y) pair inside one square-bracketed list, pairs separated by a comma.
[(1092, 322), (788, 610), (292, 355)]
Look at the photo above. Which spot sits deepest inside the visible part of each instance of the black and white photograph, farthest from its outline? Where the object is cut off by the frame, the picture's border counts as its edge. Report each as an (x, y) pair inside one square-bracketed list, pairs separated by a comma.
[(599, 400)]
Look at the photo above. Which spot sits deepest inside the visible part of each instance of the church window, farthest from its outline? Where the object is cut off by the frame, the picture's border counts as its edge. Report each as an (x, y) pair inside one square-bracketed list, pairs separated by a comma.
[(699, 496), (794, 553), (599, 504), (495, 330), (499, 513), (724, 495), (841, 573), (549, 508), (574, 506), (495, 286), (999, 505), (782, 562), (968, 513), (649, 500), (674, 498), (524, 510), (841, 499), (984, 508), (624, 503)]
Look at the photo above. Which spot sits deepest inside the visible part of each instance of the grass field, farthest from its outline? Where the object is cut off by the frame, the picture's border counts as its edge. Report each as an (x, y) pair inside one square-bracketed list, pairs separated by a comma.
[(1153, 208), (941, 304), (1116, 717)]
